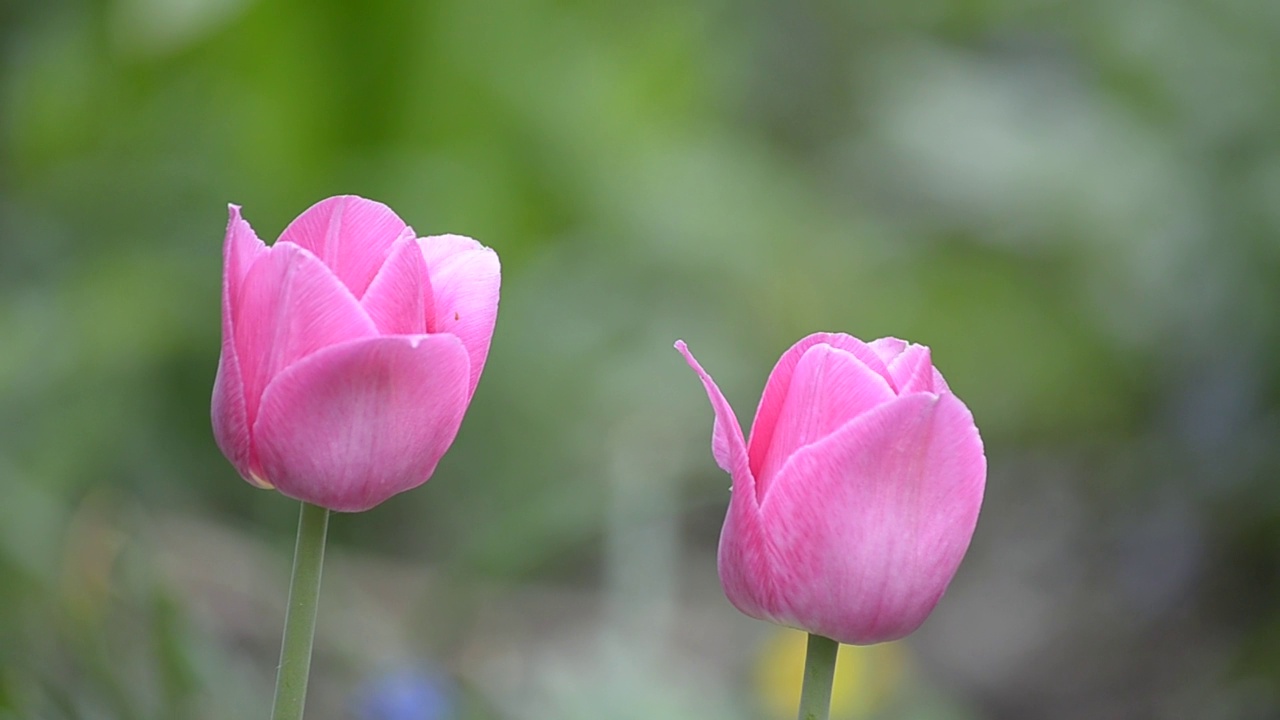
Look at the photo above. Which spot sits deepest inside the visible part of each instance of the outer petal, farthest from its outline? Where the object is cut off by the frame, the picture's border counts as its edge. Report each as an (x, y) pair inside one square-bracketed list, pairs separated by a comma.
[(726, 435), (290, 306), (465, 279), (828, 388), (350, 234), (354, 424), (775, 390), (745, 554), (870, 525), (399, 299), (240, 250)]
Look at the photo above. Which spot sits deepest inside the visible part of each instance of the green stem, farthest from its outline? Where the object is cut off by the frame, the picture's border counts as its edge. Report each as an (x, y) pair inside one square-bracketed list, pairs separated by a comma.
[(300, 618), (819, 670)]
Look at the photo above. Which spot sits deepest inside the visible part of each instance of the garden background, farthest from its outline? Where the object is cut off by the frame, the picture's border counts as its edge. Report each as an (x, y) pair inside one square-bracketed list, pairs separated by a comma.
[(1076, 205)]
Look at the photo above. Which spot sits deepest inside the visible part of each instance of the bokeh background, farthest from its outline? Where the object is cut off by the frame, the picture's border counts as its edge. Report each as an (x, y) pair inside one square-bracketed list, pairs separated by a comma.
[(1075, 204)]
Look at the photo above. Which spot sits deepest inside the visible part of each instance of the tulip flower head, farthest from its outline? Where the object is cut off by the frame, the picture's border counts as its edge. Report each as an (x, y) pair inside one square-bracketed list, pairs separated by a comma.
[(857, 494), (350, 351)]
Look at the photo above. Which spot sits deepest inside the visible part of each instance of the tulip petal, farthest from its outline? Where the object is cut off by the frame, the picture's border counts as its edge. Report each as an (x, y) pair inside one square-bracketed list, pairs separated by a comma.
[(778, 385), (939, 384), (888, 348), (912, 370), (909, 371), (727, 445), (289, 307), (399, 299), (465, 279), (744, 554), (240, 249), (356, 423), (870, 525), (828, 388), (351, 235), (229, 414)]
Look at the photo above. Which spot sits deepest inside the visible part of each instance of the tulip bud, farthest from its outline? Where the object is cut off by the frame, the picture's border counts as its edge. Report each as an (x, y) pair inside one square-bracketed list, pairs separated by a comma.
[(350, 351), (857, 494)]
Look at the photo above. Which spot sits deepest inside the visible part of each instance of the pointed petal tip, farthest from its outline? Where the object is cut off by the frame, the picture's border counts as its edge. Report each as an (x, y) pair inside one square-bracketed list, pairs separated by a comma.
[(234, 217), (684, 350), (697, 368)]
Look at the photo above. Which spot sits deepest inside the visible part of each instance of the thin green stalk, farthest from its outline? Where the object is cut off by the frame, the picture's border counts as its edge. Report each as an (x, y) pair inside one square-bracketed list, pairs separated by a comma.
[(300, 618), (819, 670)]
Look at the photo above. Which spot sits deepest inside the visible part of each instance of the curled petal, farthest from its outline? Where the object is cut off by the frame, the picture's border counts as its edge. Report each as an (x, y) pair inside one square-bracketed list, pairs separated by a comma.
[(354, 424), (827, 388), (290, 306), (900, 489), (779, 383), (351, 235), (465, 279), (744, 550), (727, 445)]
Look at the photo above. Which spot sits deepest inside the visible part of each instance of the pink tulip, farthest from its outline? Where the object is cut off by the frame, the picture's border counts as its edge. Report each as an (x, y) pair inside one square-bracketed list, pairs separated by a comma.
[(857, 494), (350, 351)]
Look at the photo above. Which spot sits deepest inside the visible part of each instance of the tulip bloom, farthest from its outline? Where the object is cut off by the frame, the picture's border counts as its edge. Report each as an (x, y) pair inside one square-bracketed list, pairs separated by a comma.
[(857, 494), (350, 351)]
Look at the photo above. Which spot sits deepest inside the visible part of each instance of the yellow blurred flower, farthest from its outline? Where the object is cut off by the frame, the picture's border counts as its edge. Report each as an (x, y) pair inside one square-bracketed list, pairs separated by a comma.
[(867, 677)]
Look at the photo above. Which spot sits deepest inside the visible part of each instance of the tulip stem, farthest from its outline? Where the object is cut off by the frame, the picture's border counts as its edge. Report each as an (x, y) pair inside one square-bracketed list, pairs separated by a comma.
[(819, 670), (300, 617)]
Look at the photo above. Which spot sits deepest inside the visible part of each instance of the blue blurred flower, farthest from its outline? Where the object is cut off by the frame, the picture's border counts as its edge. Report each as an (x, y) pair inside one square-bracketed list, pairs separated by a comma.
[(407, 694)]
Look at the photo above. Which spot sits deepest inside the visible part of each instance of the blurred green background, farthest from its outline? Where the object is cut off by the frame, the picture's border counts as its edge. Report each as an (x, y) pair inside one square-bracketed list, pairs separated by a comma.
[(1076, 205)]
